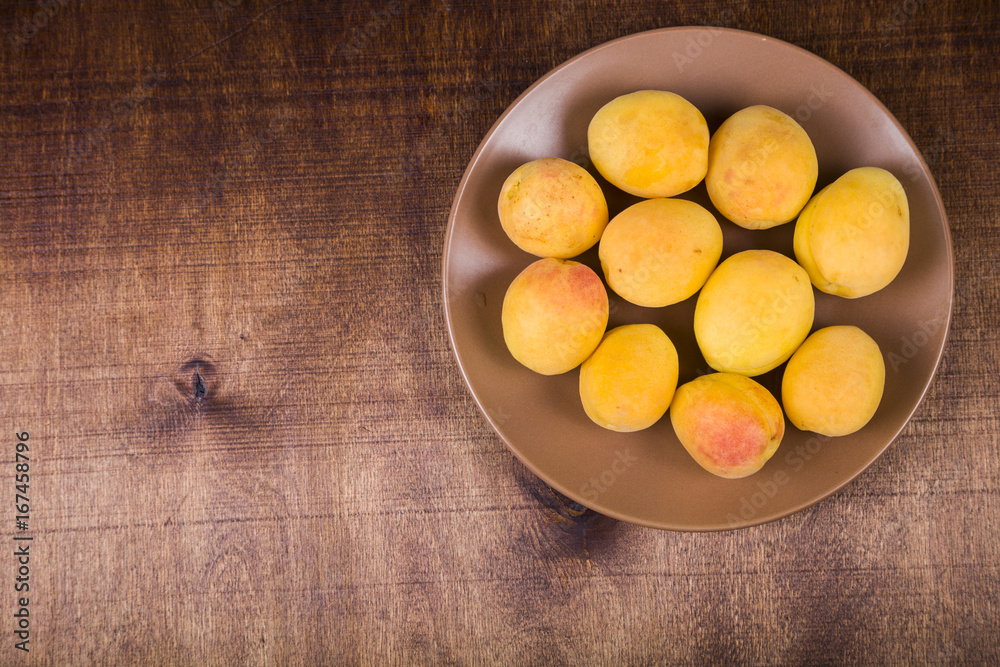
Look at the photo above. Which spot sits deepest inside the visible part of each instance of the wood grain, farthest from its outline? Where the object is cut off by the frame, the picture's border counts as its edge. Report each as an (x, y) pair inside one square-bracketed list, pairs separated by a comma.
[(222, 326)]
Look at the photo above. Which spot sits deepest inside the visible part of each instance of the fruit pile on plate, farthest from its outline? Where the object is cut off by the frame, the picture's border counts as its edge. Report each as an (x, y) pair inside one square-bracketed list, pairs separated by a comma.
[(755, 309)]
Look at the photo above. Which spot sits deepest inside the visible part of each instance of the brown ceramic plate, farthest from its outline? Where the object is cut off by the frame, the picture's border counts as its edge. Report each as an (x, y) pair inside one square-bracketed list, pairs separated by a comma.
[(647, 477)]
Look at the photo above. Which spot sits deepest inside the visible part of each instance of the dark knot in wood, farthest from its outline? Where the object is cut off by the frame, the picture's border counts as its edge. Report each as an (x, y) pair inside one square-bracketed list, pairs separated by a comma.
[(199, 386), (197, 380)]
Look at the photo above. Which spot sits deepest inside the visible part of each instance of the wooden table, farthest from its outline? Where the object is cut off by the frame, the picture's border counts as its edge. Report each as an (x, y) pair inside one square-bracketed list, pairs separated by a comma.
[(250, 443)]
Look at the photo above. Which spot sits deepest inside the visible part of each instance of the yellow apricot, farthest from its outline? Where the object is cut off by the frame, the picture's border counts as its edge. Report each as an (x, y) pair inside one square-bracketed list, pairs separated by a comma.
[(833, 383), (552, 207), (660, 251), (554, 315), (762, 168), (728, 423), (650, 143), (629, 380), (853, 237), (753, 312)]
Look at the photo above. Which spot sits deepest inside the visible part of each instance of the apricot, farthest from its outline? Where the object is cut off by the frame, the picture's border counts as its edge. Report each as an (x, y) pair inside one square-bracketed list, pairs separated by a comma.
[(650, 143), (554, 315), (628, 382), (660, 251), (753, 312), (833, 383), (853, 236), (728, 423), (552, 207), (762, 168)]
